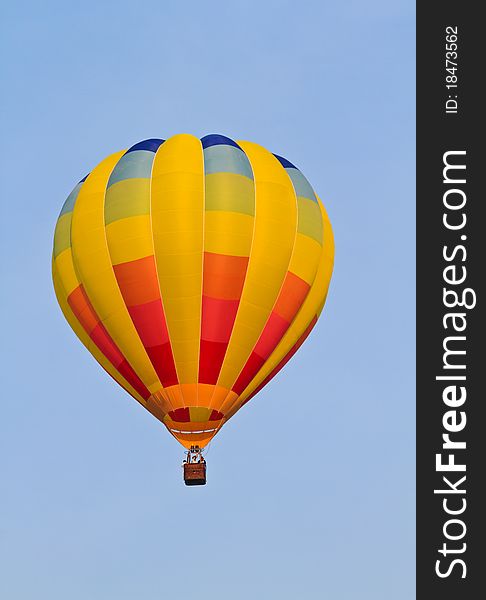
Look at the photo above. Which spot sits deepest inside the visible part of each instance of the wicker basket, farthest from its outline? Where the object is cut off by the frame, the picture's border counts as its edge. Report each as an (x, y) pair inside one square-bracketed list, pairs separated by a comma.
[(195, 473)]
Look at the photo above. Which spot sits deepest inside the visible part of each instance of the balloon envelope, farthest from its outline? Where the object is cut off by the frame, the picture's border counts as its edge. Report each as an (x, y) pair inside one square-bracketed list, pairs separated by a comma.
[(193, 270)]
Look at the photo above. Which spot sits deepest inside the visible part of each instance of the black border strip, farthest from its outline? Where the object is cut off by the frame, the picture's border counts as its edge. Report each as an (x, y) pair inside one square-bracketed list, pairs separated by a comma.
[(449, 236)]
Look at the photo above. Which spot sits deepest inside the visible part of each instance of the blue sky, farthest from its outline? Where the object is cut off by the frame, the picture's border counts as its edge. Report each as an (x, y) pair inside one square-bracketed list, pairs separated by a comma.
[(91, 500)]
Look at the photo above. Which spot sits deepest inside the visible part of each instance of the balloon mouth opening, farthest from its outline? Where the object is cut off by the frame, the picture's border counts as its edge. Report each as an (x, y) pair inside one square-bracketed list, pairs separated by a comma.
[(192, 432), (194, 423)]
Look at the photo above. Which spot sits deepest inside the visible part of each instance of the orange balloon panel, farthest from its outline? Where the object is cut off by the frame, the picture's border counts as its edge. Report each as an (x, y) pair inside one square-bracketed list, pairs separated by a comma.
[(193, 270)]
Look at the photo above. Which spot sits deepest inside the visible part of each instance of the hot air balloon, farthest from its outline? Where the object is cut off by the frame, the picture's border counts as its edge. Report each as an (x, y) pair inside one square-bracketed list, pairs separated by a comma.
[(193, 270)]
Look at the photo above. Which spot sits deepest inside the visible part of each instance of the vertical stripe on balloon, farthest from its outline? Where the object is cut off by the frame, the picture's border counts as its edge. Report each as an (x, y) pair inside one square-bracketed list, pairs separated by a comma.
[(177, 223), (311, 307), (301, 273), (269, 258), (230, 197), (78, 301), (93, 261), (129, 238)]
